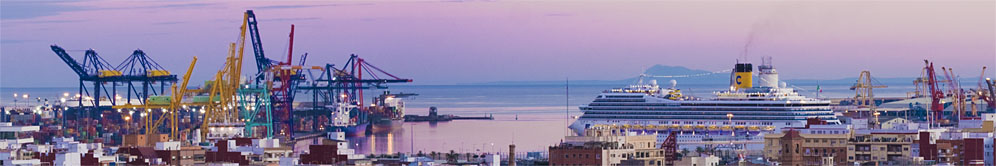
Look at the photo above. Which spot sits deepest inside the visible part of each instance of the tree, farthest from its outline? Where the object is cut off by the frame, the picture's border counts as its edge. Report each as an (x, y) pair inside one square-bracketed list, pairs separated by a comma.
[(684, 152), (699, 150), (452, 156)]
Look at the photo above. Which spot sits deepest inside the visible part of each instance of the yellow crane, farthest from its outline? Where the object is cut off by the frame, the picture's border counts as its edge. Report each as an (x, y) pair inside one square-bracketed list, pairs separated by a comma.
[(171, 111), (222, 106), (863, 96)]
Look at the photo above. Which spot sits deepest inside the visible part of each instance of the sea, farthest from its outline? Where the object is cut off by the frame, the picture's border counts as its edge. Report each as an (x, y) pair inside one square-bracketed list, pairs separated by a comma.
[(533, 117)]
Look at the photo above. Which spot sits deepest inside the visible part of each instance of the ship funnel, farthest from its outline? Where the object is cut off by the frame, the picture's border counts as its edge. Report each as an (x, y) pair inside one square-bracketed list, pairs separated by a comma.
[(767, 73), (741, 77)]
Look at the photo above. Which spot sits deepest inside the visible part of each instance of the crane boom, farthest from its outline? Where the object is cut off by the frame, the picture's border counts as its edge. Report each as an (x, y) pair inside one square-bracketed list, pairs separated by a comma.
[(935, 91), (262, 63), (69, 61), (173, 106)]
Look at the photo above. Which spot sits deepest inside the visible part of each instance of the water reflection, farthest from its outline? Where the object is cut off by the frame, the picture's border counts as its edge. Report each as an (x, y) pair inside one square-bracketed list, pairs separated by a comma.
[(529, 133)]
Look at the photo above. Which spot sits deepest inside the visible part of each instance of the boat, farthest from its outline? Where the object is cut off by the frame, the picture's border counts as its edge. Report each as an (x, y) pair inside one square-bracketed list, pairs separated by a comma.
[(384, 115), (742, 109)]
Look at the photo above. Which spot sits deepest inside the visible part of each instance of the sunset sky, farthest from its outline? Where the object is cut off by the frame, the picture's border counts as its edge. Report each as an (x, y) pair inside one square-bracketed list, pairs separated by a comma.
[(450, 42)]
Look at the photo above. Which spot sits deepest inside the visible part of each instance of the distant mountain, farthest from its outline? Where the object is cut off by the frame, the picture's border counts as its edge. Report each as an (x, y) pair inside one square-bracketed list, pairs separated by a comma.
[(664, 74)]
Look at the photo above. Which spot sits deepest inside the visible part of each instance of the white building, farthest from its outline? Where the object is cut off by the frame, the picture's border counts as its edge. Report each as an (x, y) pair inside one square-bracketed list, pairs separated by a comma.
[(12, 145)]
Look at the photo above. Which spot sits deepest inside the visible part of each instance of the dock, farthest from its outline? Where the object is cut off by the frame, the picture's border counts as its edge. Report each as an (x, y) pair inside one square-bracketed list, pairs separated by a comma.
[(435, 117)]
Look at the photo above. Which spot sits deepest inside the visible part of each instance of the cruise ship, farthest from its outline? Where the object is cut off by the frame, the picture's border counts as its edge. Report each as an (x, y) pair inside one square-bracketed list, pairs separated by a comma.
[(744, 111)]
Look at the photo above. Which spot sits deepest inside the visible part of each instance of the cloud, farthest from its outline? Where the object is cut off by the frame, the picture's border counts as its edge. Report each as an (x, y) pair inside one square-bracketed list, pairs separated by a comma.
[(34, 9), (9, 41), (308, 6), (559, 14), (169, 22), (290, 19)]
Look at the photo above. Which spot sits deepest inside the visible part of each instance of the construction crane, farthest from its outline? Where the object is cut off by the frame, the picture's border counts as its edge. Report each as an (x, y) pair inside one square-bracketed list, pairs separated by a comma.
[(864, 96)]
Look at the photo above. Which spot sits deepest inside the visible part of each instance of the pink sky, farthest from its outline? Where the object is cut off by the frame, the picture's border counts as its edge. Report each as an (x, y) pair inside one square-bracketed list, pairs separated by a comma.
[(483, 41)]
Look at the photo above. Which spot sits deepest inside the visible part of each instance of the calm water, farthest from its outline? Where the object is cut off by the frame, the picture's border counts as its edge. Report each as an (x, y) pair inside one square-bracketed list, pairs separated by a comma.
[(541, 110)]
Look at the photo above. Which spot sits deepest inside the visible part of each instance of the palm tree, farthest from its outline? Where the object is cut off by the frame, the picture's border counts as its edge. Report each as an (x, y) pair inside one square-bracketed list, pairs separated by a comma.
[(434, 155), (452, 156)]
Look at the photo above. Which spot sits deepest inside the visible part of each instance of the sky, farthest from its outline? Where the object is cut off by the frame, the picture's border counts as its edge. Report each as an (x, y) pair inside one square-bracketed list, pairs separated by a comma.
[(455, 42)]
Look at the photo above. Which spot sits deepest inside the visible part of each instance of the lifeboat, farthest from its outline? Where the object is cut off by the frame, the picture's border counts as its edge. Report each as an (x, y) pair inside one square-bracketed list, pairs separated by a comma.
[(675, 126), (769, 128), (753, 128), (650, 127), (713, 127), (740, 127), (686, 127), (700, 126), (727, 128)]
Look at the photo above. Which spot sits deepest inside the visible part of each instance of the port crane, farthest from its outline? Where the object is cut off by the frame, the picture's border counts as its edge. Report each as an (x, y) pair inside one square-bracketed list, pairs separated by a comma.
[(956, 93), (984, 92), (138, 68), (281, 78), (172, 112), (231, 102), (864, 96), (929, 77), (344, 85)]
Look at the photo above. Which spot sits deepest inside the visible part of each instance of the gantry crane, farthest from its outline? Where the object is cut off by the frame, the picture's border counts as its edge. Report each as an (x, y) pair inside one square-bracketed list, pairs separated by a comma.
[(345, 85), (105, 78), (863, 95)]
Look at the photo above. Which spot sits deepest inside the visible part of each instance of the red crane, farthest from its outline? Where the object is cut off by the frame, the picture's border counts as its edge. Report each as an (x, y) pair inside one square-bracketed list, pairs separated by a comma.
[(935, 92)]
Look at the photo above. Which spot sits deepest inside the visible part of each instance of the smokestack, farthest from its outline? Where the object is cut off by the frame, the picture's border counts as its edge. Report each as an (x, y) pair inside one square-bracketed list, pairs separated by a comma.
[(742, 76), (511, 155)]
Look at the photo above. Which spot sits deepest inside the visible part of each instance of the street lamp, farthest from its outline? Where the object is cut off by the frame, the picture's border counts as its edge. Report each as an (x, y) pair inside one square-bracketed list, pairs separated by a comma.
[(734, 131)]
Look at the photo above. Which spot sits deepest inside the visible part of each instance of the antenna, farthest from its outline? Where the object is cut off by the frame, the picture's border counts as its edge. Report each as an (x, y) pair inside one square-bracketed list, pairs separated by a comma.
[(567, 106)]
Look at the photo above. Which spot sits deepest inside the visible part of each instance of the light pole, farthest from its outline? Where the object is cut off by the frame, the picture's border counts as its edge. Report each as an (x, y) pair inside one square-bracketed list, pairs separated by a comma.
[(733, 132)]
